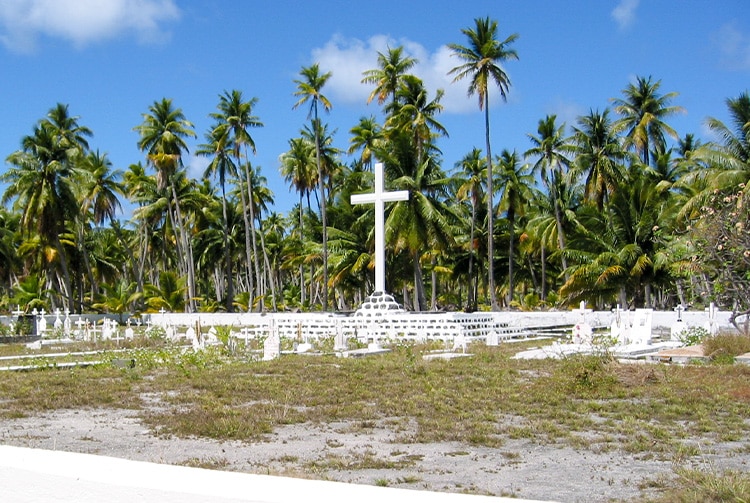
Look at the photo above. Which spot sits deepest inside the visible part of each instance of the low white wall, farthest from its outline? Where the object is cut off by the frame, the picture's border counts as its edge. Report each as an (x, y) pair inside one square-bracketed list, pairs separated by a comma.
[(418, 325), (399, 324)]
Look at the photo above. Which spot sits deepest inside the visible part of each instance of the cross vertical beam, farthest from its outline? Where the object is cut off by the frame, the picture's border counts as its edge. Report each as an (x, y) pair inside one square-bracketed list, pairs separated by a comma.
[(379, 198)]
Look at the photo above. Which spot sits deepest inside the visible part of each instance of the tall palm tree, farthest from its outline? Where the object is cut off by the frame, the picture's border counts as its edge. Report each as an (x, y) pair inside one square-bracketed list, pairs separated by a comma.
[(42, 180), (162, 137), (392, 67), (482, 59), (221, 165), (516, 181), (100, 191), (423, 222), (309, 89), (551, 149), (234, 117), (643, 110), (472, 168), (298, 168)]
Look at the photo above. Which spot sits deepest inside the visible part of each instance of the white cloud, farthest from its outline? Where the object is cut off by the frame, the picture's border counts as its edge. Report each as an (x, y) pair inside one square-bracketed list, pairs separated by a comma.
[(567, 112), (624, 13), (81, 21), (348, 58), (196, 165), (734, 47)]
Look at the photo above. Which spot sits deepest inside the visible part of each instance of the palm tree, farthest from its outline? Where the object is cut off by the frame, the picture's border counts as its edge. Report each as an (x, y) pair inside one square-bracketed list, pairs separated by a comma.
[(483, 58), (392, 67), (551, 148), (233, 120), (516, 181), (423, 222), (472, 168), (100, 190), (599, 156), (221, 164), (309, 88), (414, 113), (365, 137), (732, 155), (643, 111), (298, 169), (162, 137), (42, 181)]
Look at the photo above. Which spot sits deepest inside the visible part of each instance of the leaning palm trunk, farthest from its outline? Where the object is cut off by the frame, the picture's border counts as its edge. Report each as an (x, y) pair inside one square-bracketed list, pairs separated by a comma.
[(66, 286), (251, 208), (267, 265), (187, 255), (420, 301), (248, 255), (511, 253), (227, 254), (472, 293)]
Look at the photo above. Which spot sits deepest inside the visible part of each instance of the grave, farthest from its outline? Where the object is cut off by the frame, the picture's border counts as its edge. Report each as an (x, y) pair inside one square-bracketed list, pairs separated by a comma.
[(582, 331), (679, 326), (640, 333), (711, 324), (272, 344)]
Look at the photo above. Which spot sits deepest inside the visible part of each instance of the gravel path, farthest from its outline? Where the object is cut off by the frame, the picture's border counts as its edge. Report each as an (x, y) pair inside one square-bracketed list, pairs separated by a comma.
[(370, 454)]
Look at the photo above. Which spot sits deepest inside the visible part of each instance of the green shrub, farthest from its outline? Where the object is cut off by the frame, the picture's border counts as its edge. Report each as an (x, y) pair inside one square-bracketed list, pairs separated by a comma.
[(693, 335)]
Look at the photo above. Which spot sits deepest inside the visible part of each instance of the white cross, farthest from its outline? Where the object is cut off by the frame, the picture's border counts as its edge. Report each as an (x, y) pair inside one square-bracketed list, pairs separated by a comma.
[(379, 198)]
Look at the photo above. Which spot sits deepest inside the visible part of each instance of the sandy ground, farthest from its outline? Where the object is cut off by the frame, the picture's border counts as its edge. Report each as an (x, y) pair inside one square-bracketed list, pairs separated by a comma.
[(519, 468)]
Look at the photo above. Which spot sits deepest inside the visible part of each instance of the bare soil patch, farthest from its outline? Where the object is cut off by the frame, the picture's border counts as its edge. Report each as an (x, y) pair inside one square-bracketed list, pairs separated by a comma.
[(374, 452)]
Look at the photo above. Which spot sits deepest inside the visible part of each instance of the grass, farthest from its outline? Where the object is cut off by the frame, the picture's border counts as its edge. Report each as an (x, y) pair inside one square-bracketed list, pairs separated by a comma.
[(585, 402)]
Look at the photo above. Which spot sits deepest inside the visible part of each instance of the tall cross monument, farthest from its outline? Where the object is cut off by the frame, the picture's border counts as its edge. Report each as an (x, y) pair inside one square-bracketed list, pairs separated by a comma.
[(379, 198)]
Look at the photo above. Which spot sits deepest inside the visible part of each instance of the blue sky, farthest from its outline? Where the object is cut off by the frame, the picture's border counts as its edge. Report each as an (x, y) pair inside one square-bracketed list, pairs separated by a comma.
[(110, 59)]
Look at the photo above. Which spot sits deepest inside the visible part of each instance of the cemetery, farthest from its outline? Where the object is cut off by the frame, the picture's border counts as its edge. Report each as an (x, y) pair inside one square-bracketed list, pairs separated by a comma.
[(438, 406), (415, 441)]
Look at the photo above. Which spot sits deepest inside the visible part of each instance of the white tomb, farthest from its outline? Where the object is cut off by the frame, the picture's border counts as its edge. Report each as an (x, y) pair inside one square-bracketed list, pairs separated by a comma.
[(582, 331), (640, 333)]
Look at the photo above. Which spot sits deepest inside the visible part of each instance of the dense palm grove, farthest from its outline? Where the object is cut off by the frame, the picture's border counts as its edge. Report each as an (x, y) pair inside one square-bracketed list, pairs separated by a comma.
[(618, 208)]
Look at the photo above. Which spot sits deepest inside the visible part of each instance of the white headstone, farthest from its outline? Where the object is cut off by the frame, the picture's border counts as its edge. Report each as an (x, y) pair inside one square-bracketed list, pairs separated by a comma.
[(620, 327), (107, 329), (67, 323), (211, 337), (304, 347), (339, 342), (459, 342), (80, 324), (193, 338), (582, 331), (41, 325), (678, 326), (711, 324), (58, 322), (640, 333), (493, 338), (272, 344)]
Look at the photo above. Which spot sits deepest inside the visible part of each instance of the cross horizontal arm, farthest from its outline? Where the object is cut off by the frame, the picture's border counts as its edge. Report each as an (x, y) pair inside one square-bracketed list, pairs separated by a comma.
[(398, 195)]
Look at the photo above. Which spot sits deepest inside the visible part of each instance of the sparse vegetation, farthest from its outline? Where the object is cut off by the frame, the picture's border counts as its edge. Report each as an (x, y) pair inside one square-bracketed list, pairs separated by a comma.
[(584, 402)]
